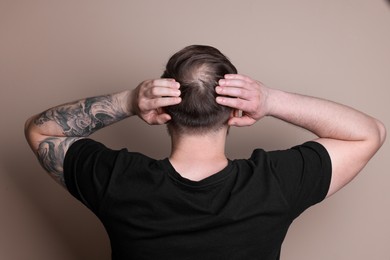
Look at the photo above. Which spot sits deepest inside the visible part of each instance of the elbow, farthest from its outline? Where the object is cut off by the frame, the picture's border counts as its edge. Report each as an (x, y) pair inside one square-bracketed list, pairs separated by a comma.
[(381, 132), (30, 133), (377, 136), (27, 128)]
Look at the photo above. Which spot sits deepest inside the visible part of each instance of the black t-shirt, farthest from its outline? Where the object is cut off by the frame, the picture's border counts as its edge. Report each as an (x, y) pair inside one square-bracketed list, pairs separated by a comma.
[(241, 212)]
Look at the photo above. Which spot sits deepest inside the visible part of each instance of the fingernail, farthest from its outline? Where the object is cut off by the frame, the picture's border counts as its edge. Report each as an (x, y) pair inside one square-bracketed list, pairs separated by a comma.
[(221, 81), (218, 89)]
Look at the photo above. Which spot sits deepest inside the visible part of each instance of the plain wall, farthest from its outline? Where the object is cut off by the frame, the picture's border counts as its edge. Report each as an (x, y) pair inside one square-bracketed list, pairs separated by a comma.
[(53, 52)]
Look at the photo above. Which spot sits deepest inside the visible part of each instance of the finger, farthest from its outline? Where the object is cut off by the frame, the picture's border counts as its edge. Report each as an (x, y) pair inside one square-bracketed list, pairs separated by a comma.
[(232, 83), (162, 102), (162, 91), (243, 88), (238, 76), (234, 92), (241, 121), (154, 119), (169, 83), (162, 119), (169, 79), (237, 103)]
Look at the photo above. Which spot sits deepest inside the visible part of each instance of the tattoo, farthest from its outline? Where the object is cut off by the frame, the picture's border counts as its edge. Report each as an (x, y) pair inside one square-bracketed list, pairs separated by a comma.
[(84, 117), (51, 155)]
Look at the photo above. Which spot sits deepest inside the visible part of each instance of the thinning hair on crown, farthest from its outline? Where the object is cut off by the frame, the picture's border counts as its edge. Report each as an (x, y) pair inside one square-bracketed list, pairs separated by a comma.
[(198, 68)]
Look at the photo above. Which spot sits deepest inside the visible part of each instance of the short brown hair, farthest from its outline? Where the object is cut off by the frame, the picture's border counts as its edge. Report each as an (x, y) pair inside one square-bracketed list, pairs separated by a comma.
[(198, 68)]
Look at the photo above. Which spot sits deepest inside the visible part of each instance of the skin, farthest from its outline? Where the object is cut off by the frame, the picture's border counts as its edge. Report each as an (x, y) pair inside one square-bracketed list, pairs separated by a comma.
[(351, 137), (51, 132)]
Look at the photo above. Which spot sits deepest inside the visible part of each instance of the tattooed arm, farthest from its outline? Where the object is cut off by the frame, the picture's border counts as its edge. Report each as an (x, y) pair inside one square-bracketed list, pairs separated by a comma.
[(53, 131)]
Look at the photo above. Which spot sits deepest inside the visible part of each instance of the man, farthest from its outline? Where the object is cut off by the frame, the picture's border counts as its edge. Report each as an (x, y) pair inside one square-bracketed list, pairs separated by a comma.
[(198, 204)]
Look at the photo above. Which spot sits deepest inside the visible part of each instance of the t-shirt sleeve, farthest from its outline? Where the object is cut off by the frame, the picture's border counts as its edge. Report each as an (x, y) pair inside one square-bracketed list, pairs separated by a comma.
[(303, 173), (87, 170)]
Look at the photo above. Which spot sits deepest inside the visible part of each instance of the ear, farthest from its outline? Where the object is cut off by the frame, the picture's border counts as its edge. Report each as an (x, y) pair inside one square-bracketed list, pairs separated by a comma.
[(160, 110), (235, 113)]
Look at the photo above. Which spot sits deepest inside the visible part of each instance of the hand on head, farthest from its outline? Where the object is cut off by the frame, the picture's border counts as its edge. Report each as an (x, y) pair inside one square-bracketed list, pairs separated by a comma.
[(242, 94), (236, 91), (151, 96)]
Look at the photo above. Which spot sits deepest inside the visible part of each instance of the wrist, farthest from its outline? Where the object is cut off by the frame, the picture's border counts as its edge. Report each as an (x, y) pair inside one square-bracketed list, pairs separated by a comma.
[(128, 101), (270, 97)]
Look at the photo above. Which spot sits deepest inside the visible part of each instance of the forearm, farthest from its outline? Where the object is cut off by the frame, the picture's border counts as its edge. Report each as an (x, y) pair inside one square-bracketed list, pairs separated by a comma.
[(83, 117), (51, 133), (324, 118), (350, 137)]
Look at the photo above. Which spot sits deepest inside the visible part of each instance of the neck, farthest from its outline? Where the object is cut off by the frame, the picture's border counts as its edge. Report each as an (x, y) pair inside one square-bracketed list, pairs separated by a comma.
[(198, 156)]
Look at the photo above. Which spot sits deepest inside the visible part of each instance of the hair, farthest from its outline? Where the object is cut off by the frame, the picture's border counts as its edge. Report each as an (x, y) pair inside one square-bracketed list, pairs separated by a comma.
[(198, 68)]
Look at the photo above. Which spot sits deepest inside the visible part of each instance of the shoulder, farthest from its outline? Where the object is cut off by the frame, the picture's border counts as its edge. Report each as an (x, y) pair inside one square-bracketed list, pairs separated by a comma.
[(301, 173), (310, 149), (89, 155), (297, 167)]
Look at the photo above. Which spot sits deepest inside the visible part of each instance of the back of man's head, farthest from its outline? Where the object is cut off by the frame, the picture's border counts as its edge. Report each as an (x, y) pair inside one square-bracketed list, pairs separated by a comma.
[(198, 69)]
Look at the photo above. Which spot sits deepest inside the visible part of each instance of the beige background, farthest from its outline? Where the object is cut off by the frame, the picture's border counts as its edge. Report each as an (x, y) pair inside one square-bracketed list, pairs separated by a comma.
[(57, 51)]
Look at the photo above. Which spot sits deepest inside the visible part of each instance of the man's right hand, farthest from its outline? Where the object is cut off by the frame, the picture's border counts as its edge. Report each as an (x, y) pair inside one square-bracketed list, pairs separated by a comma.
[(350, 136), (243, 94)]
